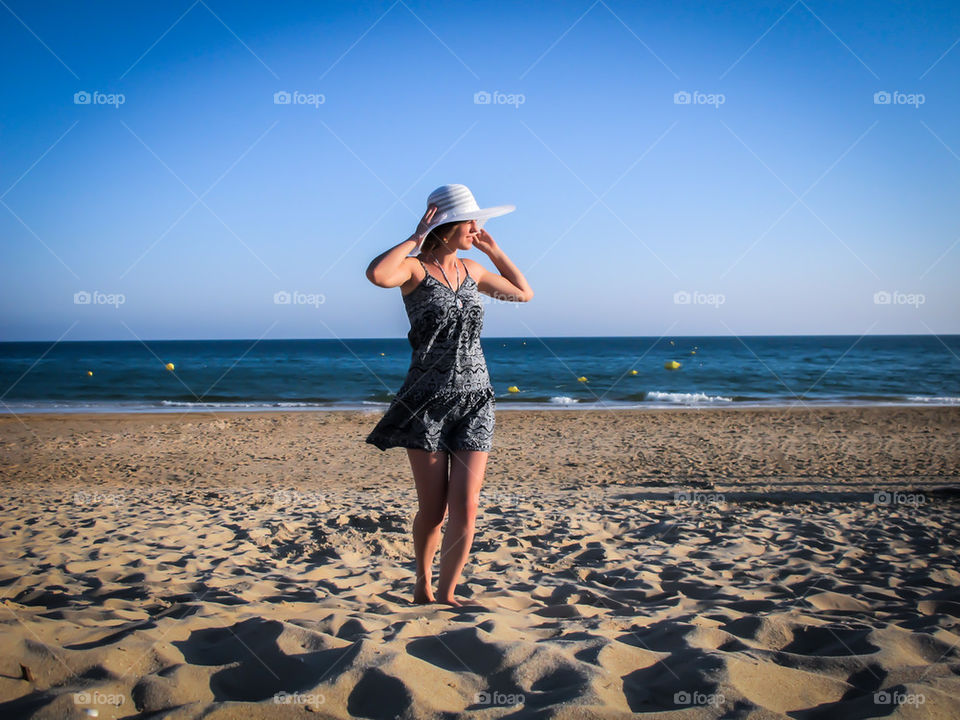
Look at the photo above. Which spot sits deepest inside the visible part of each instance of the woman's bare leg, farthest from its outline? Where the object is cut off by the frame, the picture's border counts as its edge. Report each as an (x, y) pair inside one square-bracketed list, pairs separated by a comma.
[(430, 474), (467, 468)]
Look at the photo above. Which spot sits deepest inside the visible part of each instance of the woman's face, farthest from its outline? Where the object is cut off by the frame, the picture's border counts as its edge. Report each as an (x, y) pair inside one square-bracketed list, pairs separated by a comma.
[(463, 235)]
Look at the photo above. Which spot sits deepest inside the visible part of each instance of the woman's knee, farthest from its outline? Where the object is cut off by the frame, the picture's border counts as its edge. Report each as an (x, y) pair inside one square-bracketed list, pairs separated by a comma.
[(432, 517), (464, 508)]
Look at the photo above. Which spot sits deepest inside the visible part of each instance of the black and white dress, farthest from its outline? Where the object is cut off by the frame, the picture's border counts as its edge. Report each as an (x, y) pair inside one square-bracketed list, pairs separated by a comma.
[(446, 401)]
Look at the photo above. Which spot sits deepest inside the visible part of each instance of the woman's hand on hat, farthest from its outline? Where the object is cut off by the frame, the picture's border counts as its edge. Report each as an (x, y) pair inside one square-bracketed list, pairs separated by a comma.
[(425, 220), (485, 243)]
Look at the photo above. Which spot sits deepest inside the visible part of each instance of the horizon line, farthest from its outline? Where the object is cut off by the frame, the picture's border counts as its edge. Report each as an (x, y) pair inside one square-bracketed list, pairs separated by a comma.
[(492, 337)]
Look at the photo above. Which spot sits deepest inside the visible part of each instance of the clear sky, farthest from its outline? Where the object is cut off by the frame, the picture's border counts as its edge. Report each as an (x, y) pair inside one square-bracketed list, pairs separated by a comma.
[(781, 199)]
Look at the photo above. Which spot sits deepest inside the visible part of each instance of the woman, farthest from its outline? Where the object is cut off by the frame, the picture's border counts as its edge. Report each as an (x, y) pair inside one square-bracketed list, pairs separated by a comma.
[(444, 412)]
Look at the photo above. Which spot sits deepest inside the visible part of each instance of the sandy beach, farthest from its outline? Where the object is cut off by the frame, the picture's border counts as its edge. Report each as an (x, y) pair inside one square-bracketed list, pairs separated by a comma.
[(737, 563)]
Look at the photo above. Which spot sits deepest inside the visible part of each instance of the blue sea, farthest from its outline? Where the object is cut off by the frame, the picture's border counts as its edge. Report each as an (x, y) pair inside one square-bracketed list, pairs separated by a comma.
[(627, 372)]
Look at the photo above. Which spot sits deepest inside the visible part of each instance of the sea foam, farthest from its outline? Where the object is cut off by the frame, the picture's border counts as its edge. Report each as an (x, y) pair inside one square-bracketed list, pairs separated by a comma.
[(684, 398)]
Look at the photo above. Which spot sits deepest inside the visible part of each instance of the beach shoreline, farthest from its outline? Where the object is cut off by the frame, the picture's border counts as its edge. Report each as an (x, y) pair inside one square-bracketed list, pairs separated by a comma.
[(13, 409), (679, 563), (749, 443)]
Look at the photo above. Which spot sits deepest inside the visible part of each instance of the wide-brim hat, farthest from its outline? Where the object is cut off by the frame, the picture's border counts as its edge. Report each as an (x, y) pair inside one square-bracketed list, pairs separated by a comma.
[(456, 203)]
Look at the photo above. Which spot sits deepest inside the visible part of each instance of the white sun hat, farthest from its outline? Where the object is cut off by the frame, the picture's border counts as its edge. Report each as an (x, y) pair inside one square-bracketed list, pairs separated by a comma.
[(456, 203)]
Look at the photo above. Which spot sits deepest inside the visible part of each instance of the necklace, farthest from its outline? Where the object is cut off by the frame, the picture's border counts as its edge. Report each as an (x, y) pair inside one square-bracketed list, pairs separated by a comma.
[(455, 292)]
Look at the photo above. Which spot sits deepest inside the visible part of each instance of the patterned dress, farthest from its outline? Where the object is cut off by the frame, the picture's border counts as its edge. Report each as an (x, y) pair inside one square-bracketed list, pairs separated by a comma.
[(446, 401)]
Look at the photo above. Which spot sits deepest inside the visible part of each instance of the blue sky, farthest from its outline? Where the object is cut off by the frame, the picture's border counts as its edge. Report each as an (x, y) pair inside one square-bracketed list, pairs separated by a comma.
[(782, 199)]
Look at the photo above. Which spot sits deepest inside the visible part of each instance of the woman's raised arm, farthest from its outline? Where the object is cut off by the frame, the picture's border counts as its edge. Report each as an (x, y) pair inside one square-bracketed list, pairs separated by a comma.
[(387, 269)]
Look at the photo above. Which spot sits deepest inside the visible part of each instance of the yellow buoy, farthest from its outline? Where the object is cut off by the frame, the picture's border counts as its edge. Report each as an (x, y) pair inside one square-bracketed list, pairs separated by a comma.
[(671, 365), (513, 388), (382, 354), (693, 352), (633, 372), (89, 372), (169, 366), (582, 378)]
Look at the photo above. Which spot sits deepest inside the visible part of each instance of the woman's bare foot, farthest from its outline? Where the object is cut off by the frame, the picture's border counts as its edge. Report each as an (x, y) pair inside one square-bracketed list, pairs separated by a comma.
[(422, 594), (451, 601)]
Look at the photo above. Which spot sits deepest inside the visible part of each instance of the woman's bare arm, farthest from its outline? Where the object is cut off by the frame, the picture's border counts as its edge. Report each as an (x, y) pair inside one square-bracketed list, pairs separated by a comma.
[(388, 269), (510, 284)]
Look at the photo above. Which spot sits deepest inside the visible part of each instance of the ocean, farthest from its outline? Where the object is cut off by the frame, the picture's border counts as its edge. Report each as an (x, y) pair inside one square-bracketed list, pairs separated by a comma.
[(362, 374)]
